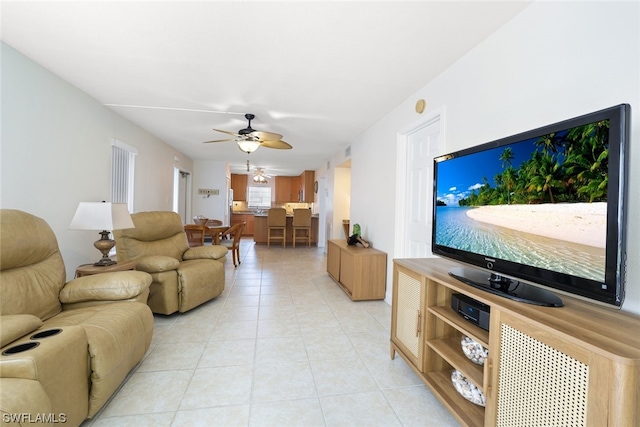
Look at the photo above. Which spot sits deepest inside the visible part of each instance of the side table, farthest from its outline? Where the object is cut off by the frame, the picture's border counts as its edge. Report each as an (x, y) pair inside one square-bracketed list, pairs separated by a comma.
[(89, 269)]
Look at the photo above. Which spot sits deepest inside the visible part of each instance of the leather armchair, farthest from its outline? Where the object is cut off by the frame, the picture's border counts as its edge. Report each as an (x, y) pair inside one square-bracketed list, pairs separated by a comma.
[(183, 277), (65, 347)]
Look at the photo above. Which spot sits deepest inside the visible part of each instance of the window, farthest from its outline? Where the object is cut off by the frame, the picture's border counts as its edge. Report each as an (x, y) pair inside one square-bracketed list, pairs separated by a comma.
[(259, 197), (123, 159)]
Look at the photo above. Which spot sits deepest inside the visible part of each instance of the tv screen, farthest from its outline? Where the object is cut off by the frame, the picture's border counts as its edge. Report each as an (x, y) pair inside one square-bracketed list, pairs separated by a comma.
[(544, 207)]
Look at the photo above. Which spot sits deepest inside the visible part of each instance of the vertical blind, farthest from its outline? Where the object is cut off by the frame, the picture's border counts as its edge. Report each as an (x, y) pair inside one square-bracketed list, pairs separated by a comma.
[(122, 173)]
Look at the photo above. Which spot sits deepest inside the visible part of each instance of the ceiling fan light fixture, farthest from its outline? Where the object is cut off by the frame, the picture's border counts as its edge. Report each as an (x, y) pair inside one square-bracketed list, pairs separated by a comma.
[(248, 145), (260, 179)]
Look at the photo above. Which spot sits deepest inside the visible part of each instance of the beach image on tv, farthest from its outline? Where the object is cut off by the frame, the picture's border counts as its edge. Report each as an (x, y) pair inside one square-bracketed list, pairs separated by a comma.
[(540, 202)]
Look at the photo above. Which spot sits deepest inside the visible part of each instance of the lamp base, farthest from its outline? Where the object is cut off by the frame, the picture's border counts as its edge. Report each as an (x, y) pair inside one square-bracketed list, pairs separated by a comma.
[(104, 245), (104, 262)]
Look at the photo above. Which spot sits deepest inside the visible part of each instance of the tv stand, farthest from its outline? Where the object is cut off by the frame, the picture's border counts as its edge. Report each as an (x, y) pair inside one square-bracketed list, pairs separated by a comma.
[(500, 283), (578, 364), (506, 287)]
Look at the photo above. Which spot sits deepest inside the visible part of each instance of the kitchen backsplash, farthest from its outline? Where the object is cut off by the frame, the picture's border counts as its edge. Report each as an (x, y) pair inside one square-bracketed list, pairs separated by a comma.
[(242, 207)]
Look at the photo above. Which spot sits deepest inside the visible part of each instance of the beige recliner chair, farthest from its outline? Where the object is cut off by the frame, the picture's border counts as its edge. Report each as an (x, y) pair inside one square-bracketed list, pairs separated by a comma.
[(65, 347), (183, 277)]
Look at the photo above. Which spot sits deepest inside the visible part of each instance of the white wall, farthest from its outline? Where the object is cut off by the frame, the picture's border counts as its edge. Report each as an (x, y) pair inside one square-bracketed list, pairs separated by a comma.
[(56, 152), (341, 201), (336, 195), (554, 61), (212, 175)]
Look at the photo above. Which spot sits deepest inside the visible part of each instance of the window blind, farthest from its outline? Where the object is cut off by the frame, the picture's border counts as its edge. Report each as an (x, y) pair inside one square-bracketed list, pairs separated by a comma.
[(122, 173)]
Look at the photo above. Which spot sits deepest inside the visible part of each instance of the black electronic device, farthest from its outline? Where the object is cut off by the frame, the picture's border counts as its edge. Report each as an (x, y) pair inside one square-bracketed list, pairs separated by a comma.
[(472, 310), (543, 207)]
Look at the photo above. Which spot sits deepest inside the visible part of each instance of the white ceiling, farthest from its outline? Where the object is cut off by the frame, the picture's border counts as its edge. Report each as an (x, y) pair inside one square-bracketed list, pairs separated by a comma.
[(319, 73)]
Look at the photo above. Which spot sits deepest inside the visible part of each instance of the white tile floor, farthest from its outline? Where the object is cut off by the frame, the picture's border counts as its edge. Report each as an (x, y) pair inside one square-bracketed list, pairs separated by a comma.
[(282, 346)]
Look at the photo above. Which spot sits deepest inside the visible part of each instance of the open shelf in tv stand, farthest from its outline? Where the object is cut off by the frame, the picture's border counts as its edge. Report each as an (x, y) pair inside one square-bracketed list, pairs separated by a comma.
[(426, 333)]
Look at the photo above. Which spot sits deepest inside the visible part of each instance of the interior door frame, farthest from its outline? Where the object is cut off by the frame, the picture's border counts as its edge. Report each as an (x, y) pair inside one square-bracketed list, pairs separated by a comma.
[(431, 117), (182, 195)]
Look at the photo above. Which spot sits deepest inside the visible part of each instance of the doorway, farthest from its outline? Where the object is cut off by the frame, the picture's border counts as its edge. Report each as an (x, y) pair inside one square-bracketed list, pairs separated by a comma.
[(418, 144), (322, 199), (181, 192)]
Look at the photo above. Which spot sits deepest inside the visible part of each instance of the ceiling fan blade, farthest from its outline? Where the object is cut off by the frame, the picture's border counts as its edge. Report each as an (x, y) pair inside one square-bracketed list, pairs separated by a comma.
[(280, 145), (266, 136), (219, 140), (228, 133)]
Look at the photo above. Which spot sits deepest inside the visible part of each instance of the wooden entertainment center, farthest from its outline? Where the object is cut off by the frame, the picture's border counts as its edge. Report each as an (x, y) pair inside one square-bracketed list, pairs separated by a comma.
[(577, 365)]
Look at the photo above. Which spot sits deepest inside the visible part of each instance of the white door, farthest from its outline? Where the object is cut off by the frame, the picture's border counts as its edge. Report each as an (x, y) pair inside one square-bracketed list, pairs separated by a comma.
[(321, 197), (183, 191), (417, 147)]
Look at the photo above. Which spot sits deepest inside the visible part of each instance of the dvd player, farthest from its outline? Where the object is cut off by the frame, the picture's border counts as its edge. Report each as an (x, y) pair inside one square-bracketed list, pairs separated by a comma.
[(472, 310)]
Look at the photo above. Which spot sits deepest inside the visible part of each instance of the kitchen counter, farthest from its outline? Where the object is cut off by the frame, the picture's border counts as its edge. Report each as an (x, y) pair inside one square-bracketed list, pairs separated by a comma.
[(260, 230), (288, 215), (239, 217)]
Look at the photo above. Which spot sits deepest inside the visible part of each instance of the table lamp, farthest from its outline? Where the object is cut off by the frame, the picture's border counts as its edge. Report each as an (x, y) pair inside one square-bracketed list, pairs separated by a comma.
[(102, 216)]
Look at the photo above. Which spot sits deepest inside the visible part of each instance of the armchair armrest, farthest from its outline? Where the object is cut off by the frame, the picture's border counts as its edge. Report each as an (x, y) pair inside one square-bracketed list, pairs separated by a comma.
[(157, 263), (15, 326), (105, 287), (206, 252), (23, 397)]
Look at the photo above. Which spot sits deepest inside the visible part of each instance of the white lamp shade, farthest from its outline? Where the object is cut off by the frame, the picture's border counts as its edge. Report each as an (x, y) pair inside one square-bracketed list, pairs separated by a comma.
[(248, 145), (101, 216)]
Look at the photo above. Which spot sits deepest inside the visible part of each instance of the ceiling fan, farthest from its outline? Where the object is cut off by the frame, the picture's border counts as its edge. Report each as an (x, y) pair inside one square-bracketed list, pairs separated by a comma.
[(260, 177), (249, 139)]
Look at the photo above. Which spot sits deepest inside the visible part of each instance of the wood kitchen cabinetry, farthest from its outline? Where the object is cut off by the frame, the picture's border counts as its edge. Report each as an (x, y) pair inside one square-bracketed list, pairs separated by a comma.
[(307, 182), (287, 189), (239, 187), (283, 189), (360, 272), (295, 188), (572, 365), (248, 218)]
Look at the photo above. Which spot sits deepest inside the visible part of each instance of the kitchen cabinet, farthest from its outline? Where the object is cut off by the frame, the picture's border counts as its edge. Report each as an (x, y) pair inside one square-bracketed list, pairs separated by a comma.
[(359, 271), (294, 189), (307, 184), (572, 365), (239, 187), (248, 218), (283, 189)]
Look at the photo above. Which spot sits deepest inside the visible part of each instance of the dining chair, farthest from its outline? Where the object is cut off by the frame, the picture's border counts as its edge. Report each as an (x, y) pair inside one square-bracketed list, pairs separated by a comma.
[(302, 222), (196, 234), (276, 225), (234, 244), (211, 223)]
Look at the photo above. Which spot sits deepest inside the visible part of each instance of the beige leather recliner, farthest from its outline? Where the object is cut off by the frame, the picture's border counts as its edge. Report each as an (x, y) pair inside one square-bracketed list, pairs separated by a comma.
[(65, 347), (183, 277)]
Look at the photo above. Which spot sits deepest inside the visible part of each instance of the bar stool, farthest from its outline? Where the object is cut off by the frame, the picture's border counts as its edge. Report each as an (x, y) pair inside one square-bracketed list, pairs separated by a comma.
[(302, 221), (276, 224)]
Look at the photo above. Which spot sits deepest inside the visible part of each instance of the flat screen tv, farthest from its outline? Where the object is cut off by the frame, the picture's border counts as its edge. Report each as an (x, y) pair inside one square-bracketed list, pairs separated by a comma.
[(544, 207)]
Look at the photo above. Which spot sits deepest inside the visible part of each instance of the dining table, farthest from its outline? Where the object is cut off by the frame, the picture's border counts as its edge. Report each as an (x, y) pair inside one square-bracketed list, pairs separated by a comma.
[(217, 232)]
